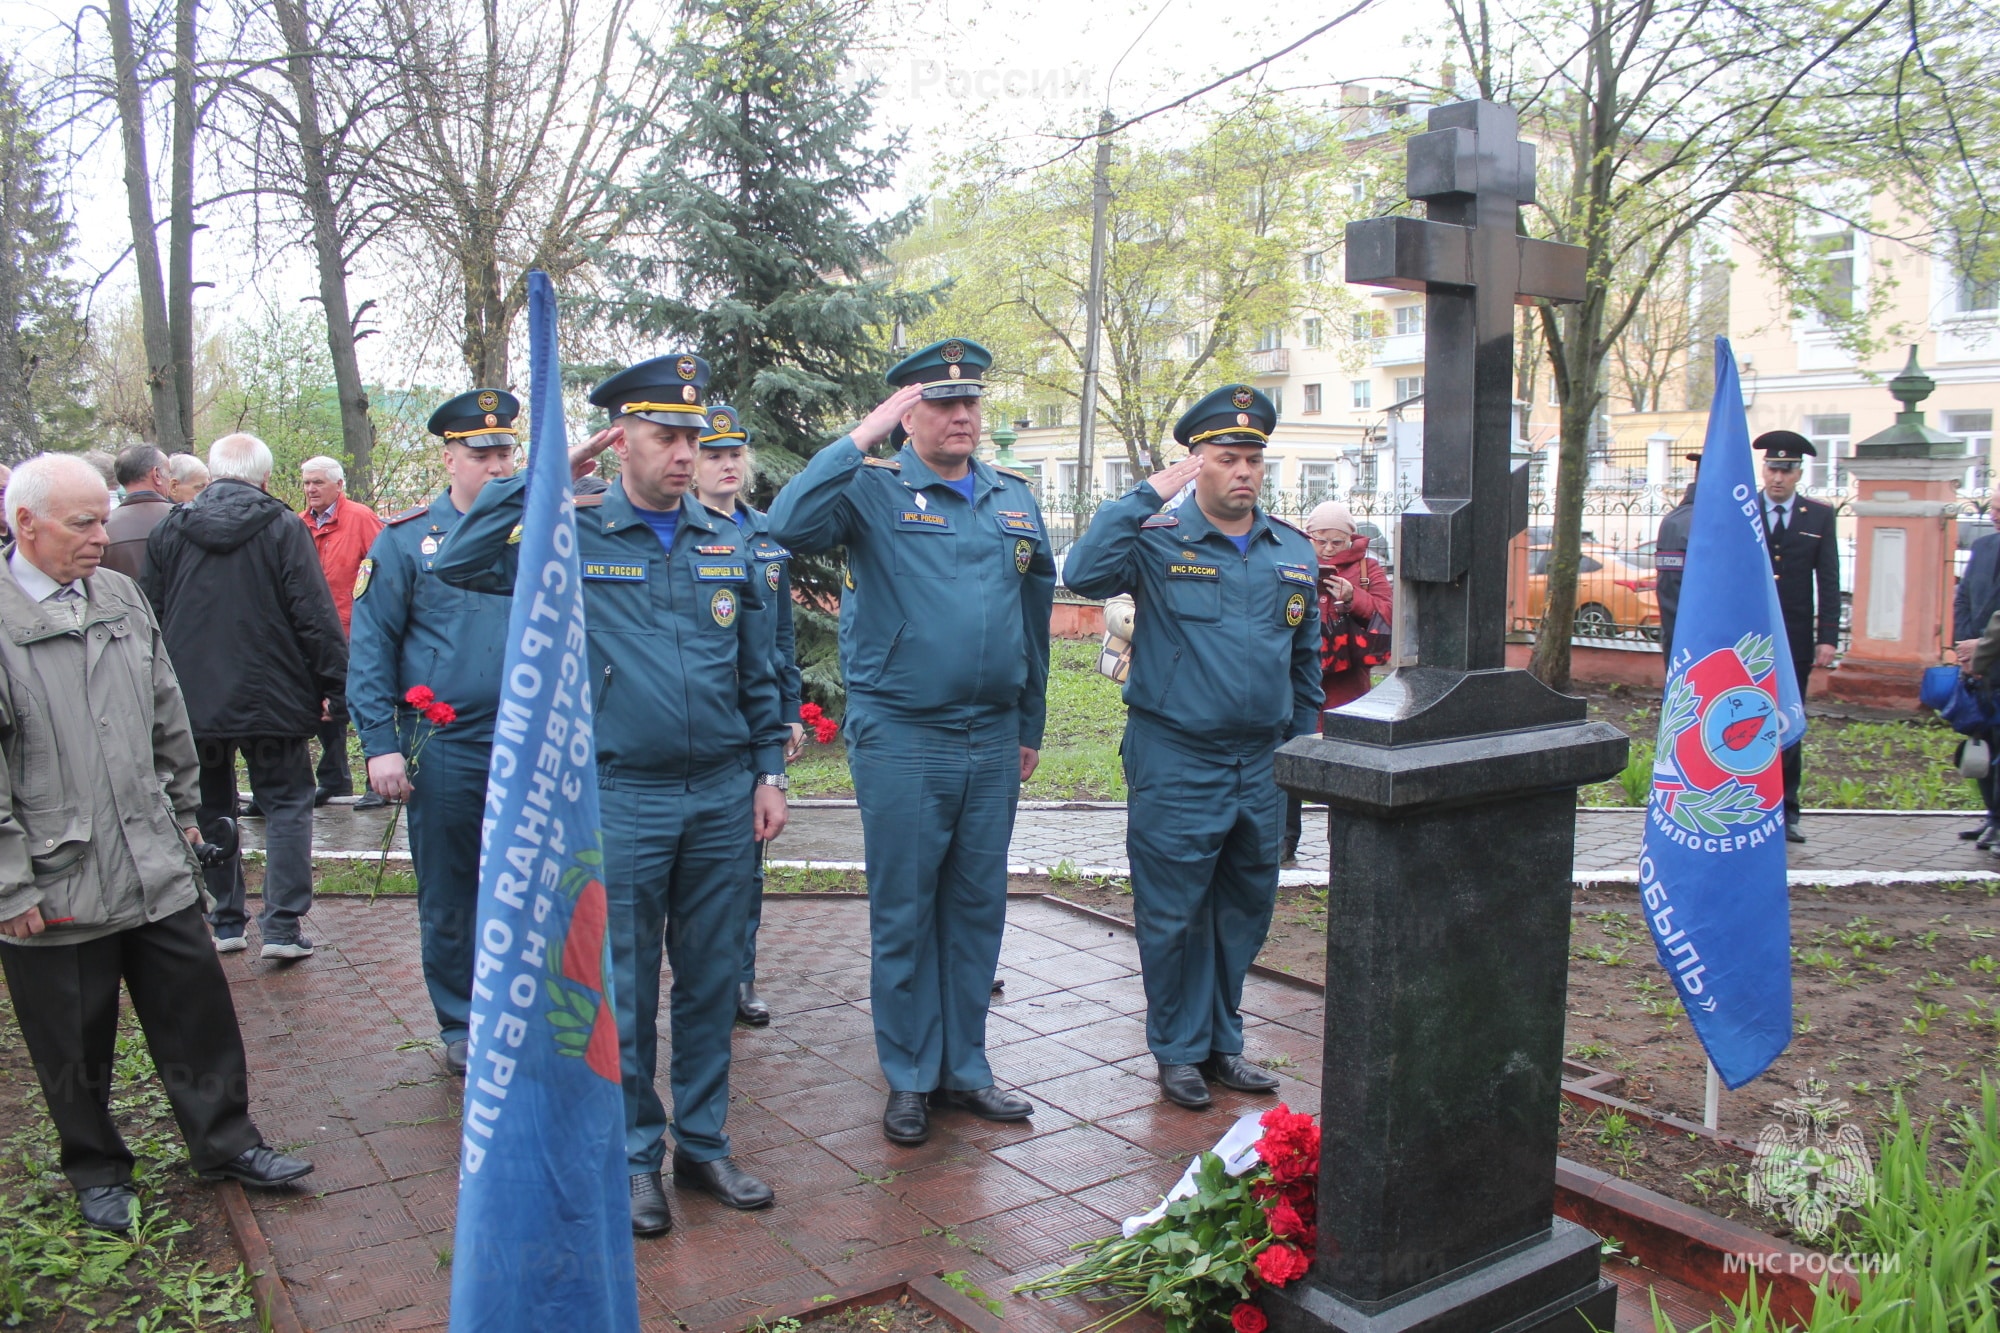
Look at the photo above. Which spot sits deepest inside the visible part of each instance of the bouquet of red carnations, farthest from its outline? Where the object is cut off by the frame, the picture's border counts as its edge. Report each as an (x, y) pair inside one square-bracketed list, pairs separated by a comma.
[(1200, 1265), (822, 727)]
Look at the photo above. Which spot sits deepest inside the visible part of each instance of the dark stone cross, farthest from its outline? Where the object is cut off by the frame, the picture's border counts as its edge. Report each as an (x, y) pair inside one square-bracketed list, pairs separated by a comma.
[(1452, 788)]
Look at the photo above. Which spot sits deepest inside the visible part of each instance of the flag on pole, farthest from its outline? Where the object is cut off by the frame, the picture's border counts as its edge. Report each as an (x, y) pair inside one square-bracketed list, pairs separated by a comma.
[(544, 1222), (1712, 865)]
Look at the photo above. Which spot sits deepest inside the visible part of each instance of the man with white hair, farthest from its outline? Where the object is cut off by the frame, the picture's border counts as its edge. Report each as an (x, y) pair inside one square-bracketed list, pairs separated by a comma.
[(251, 626), (189, 477), (342, 531), (98, 821)]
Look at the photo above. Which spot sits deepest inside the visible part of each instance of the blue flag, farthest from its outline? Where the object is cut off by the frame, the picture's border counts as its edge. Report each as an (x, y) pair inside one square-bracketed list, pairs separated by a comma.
[(1712, 866), (544, 1221)]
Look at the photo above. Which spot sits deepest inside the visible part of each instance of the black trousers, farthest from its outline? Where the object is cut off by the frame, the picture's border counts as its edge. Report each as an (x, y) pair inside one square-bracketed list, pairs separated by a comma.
[(66, 1001), (1789, 758), (333, 774), (281, 779)]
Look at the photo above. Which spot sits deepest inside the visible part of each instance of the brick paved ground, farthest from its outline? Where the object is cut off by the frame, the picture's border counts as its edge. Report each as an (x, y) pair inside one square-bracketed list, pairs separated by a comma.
[(342, 1070), (1842, 847)]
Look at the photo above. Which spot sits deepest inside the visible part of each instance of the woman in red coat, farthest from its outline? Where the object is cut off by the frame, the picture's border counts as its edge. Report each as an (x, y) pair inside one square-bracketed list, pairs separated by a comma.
[(1356, 609)]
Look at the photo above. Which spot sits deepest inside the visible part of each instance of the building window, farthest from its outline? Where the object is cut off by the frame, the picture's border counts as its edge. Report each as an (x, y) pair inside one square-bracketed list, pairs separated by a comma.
[(1975, 291), (1362, 392), (1364, 325), (1409, 319), (1270, 337), (1364, 472), (1066, 478), (1314, 267), (1193, 343), (1408, 387), (1976, 429), (1315, 332), (1833, 437), (1049, 414), (1316, 482), (1836, 261), (1312, 400), (1277, 396), (1118, 476)]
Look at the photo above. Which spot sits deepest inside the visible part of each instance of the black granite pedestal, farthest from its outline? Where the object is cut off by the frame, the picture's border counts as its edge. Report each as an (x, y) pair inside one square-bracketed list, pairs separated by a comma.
[(1452, 827)]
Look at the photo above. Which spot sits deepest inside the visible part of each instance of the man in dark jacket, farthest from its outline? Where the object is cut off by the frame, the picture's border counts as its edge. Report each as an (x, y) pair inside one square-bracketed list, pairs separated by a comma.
[(1972, 607), (1806, 563), (1670, 560), (142, 471), (250, 625)]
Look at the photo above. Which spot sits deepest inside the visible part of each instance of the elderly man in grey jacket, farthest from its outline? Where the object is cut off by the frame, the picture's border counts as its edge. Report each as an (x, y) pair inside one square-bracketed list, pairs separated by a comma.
[(97, 871)]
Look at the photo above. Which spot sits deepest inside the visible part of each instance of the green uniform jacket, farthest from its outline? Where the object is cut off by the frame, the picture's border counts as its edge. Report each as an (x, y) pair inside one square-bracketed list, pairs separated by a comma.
[(946, 617), (771, 561), (1225, 646), (680, 650)]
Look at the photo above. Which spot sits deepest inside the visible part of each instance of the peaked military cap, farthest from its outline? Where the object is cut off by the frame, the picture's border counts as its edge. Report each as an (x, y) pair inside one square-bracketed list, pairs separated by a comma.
[(725, 427), (473, 416), (1784, 446), (953, 368), (667, 390), (1233, 414)]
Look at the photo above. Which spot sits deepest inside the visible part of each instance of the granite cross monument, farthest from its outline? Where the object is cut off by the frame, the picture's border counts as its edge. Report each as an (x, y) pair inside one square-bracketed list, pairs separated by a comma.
[(1453, 789)]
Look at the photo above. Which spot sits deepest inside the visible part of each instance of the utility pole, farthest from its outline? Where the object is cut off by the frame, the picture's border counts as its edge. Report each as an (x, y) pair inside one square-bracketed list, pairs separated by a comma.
[(1093, 318)]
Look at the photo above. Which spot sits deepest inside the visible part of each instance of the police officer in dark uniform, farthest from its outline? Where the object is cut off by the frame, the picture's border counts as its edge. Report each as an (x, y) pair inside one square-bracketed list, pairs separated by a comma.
[(690, 757), (1670, 548), (412, 629), (1225, 668), (720, 473), (1806, 561), (944, 641)]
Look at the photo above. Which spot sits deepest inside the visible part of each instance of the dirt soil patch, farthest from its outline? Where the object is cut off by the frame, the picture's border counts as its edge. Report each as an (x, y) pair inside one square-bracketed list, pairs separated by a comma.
[(901, 1315)]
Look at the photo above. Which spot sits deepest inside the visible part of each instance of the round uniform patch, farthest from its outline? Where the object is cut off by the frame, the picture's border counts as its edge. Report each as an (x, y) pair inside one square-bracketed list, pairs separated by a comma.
[(773, 572), (685, 367), (489, 401), (952, 351), (721, 424), (1295, 609), (1024, 554), (361, 577), (429, 545), (687, 393), (723, 607), (1242, 396)]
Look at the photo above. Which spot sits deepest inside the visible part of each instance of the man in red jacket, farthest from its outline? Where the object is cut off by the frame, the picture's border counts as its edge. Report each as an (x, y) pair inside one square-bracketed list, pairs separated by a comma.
[(342, 531)]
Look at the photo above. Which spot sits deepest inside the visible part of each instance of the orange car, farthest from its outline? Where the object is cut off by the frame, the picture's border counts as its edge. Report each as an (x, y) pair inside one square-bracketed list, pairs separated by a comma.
[(1612, 596)]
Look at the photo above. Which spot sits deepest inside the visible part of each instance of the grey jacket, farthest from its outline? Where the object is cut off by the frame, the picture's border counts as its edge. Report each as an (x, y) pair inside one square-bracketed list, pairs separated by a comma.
[(99, 778)]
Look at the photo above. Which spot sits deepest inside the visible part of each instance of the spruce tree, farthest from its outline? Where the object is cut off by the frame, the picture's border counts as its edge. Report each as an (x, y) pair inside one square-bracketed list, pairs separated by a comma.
[(41, 335), (748, 242)]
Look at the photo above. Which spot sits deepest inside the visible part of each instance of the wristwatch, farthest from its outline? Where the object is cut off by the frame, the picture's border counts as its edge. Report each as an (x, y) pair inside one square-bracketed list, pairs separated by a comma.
[(778, 780)]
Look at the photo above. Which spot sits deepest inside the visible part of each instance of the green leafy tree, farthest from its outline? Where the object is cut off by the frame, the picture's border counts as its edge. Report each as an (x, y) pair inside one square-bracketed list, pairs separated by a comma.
[(42, 338), (746, 239), (278, 384)]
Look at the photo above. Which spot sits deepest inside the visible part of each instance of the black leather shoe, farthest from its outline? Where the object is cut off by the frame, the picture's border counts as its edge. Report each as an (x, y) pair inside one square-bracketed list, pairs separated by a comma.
[(322, 795), (650, 1214), (750, 1009), (1233, 1071), (905, 1120), (107, 1207), (1184, 1086), (370, 801), (723, 1181), (454, 1058), (999, 986), (988, 1103), (1290, 857), (1987, 836), (1968, 834), (261, 1166), (1792, 833)]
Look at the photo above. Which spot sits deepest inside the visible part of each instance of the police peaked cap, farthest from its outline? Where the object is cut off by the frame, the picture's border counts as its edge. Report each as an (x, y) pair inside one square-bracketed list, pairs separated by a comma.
[(471, 418), (666, 390), (1234, 414), (725, 427), (1784, 446)]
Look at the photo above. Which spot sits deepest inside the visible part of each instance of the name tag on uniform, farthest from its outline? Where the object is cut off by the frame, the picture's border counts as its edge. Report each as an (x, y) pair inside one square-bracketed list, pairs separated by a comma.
[(715, 550), (1295, 574), (923, 522), (773, 551), (716, 571), (1019, 524), (597, 569), (1185, 570), (1670, 560)]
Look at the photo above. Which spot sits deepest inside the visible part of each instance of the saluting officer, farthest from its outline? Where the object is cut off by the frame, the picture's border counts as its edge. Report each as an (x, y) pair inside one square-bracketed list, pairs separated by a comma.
[(1225, 668), (944, 642), (1805, 560), (411, 628), (719, 475), (690, 757)]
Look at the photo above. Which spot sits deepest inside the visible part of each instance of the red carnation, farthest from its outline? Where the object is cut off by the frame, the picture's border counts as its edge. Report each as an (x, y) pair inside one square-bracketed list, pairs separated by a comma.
[(1280, 1264), (825, 729), (810, 713), (1247, 1318), (1287, 1223), (441, 714), (420, 696), (1290, 1145)]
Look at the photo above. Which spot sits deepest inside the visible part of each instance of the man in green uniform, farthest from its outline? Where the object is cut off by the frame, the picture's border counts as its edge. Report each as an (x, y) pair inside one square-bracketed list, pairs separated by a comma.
[(690, 757), (411, 628), (1225, 668), (944, 642)]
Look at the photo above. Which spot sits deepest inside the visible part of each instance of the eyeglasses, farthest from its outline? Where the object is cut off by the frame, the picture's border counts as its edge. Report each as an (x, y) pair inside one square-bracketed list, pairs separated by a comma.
[(1333, 541)]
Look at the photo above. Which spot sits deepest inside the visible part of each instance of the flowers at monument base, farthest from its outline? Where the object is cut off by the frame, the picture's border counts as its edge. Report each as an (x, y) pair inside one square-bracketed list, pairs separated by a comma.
[(822, 727), (1239, 1221)]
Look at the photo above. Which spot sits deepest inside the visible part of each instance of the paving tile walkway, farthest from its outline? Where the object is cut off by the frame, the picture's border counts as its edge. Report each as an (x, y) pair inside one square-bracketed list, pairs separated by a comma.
[(1842, 847), (342, 1070)]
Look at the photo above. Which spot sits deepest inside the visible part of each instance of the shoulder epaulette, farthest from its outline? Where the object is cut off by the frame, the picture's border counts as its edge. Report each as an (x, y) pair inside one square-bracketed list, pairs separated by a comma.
[(890, 463), (1018, 476), (1285, 522), (407, 515), (591, 501)]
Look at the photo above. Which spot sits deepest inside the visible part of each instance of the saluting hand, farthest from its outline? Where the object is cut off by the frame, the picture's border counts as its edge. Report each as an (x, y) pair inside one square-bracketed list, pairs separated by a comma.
[(1172, 480), (583, 457), (888, 414)]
